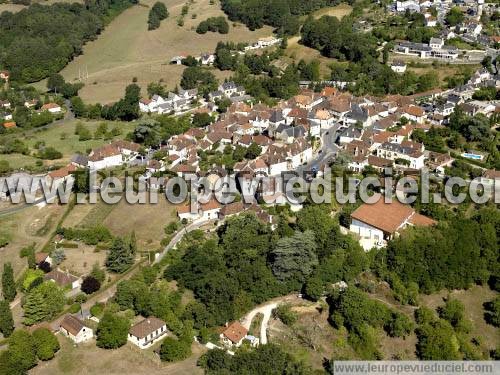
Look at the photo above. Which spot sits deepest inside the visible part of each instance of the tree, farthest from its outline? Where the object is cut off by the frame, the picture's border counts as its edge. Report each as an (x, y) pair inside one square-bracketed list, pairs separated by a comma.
[(55, 82), (454, 16), (22, 351), (45, 267), (46, 344), (173, 350), (201, 120), (43, 303), (6, 320), (112, 331), (294, 258), (90, 285), (119, 257), (437, 341), (157, 14), (253, 151), (492, 315), (8, 284), (98, 273)]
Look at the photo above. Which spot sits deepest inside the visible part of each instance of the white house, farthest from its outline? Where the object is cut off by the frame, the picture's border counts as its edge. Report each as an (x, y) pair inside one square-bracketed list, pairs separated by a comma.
[(147, 332), (210, 210), (398, 66), (43, 257), (376, 223), (73, 328), (51, 107)]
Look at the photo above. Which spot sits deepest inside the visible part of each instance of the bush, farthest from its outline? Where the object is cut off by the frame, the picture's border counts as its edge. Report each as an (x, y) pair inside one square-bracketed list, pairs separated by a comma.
[(213, 24), (97, 310), (46, 344), (173, 350), (112, 331), (284, 313), (75, 308)]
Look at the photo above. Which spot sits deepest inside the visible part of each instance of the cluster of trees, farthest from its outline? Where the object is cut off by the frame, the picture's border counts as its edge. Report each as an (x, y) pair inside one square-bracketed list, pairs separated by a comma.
[(151, 132), (157, 14), (57, 84), (26, 349), (89, 236), (361, 316), (33, 53), (42, 302), (126, 109), (466, 248), (250, 264), (112, 331), (280, 14), (6, 319), (213, 24), (408, 26), (266, 359), (337, 39), (196, 77)]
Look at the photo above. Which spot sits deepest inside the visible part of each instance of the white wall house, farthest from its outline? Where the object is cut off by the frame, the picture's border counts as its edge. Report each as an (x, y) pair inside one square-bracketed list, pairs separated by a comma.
[(75, 330), (147, 332)]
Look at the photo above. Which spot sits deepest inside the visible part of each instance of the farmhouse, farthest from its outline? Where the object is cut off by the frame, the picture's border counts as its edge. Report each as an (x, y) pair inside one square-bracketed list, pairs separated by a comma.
[(147, 332), (43, 257), (73, 328), (379, 222), (234, 335)]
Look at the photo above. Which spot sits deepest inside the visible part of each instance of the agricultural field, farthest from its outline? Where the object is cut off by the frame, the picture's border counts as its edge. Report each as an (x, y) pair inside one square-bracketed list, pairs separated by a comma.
[(126, 49), (89, 359), (338, 11)]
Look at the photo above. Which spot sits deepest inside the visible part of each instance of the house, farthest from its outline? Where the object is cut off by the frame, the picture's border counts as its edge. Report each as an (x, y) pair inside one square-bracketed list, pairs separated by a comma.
[(210, 210), (408, 5), (376, 223), (112, 155), (177, 60), (267, 42), (9, 125), (397, 152), (80, 161), (185, 213), (234, 335), (74, 328), (414, 113), (51, 107), (43, 257), (147, 332), (61, 175), (398, 66), (490, 177), (207, 59), (436, 43), (63, 279)]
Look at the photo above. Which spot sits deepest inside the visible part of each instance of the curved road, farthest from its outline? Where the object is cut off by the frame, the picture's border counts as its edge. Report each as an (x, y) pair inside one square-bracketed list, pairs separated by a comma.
[(265, 310)]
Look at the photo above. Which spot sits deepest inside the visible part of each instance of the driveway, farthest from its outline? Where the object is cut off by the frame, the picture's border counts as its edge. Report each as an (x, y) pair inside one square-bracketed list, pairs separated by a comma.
[(266, 310)]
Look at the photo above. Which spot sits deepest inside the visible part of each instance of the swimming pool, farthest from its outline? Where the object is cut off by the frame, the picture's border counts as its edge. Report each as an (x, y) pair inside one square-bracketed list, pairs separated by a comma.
[(473, 156)]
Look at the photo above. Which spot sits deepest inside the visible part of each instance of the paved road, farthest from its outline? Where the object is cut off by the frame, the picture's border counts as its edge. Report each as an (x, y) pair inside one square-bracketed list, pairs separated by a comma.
[(180, 234), (266, 310)]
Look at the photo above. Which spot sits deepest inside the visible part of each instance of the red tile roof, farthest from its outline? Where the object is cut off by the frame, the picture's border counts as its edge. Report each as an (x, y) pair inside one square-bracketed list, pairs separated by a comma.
[(235, 332)]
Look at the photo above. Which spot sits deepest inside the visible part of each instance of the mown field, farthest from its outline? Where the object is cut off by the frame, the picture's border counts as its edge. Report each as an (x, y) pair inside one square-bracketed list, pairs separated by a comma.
[(126, 49)]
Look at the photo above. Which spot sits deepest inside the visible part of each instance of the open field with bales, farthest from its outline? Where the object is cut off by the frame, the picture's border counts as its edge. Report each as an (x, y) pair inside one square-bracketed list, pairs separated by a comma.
[(126, 49)]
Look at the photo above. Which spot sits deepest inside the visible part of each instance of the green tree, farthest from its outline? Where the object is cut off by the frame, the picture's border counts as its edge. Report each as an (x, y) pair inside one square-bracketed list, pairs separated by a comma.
[(294, 258), (119, 257), (253, 151), (6, 320), (454, 16), (22, 351), (112, 331), (55, 82), (437, 341), (8, 283), (46, 343), (98, 273), (43, 303), (173, 350), (492, 314)]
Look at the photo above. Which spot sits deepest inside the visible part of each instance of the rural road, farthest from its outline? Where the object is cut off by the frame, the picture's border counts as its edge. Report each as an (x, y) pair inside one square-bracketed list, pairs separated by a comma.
[(265, 310), (179, 235)]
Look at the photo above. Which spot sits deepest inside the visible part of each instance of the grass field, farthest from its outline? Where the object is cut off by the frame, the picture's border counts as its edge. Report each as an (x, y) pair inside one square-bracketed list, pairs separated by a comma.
[(126, 49), (338, 11), (88, 359), (32, 225), (62, 137)]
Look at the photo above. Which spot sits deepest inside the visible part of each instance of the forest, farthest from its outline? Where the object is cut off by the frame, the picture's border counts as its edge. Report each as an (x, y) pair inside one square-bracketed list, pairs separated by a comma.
[(41, 40)]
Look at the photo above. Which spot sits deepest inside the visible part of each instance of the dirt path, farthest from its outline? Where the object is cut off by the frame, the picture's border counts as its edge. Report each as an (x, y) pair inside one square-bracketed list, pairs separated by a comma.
[(266, 311)]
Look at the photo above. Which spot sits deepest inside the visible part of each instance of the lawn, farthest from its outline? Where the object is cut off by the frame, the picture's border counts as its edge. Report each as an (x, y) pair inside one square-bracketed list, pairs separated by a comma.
[(126, 49), (88, 359), (79, 261)]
